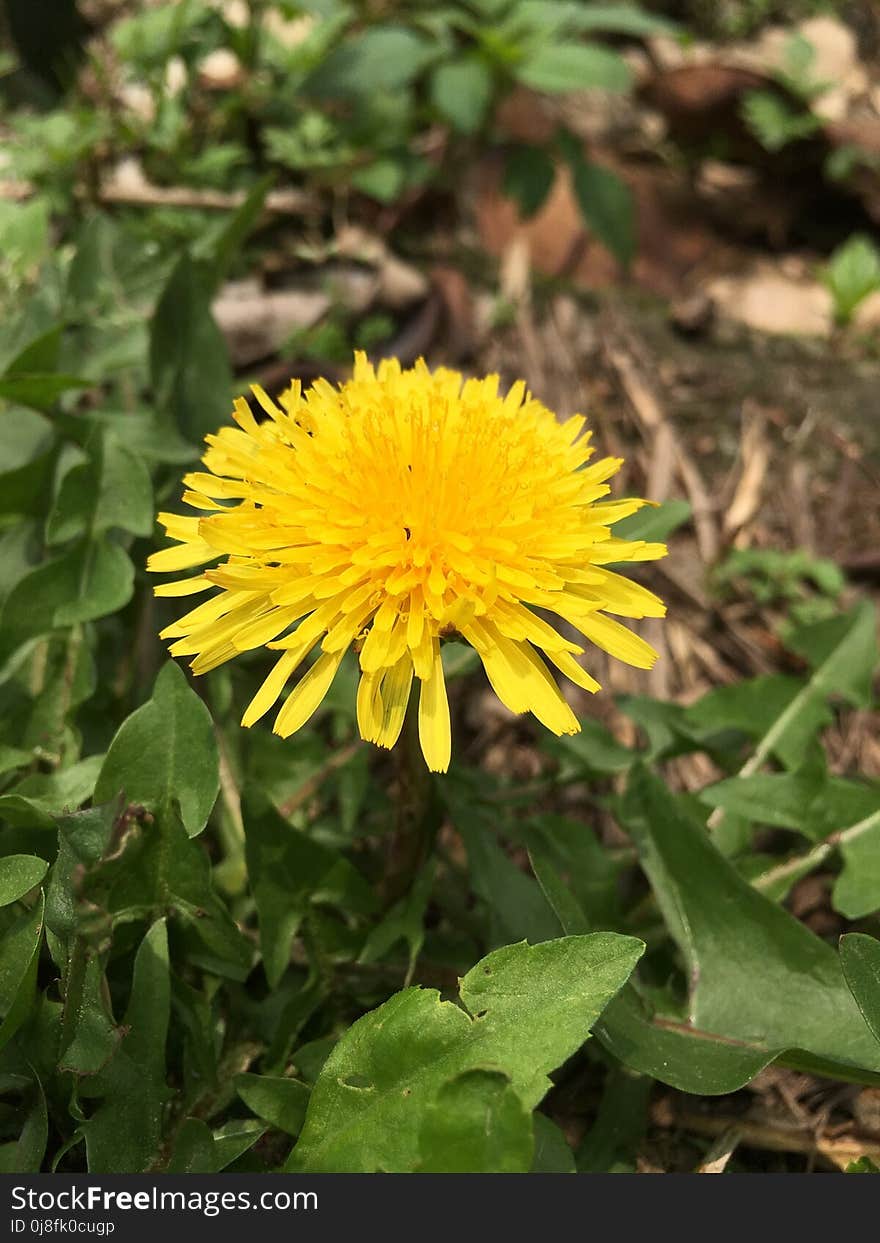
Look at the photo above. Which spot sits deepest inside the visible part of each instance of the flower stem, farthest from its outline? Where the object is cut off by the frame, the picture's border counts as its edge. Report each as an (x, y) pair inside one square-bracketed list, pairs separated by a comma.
[(415, 814)]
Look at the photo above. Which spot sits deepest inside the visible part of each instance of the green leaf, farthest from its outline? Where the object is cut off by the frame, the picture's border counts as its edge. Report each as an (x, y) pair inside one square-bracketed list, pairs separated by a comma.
[(864, 1165), (605, 204), (810, 802), (27, 443), (842, 653), (404, 922), (37, 799), (221, 251), (773, 709), (594, 751), (88, 582), (476, 1124), (529, 173), (654, 522), (25, 1155), (189, 364), (112, 488), (83, 839), (132, 1086), (757, 974), (774, 122), (856, 891), (194, 1150), (612, 1142), (622, 19), (675, 1052), (165, 754), (19, 957), (852, 275), (516, 905), (558, 67), (860, 959), (461, 91), (18, 875), (288, 872), (525, 1010), (92, 1035), (552, 1153), (280, 1102), (385, 57)]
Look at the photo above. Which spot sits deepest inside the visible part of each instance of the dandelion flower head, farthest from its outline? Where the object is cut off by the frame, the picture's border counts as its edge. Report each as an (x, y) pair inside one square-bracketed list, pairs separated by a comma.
[(401, 508)]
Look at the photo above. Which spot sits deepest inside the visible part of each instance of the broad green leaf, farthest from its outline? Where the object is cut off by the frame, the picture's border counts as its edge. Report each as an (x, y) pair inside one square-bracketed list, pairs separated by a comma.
[(654, 522), (37, 799), (165, 754), (194, 1150), (571, 847), (811, 802), (594, 751), (773, 709), (18, 875), (189, 364), (843, 656), (856, 891), (476, 1124), (675, 1052), (280, 1102), (132, 1086), (558, 67), (27, 445), (288, 872), (19, 957), (757, 974), (552, 1154), (112, 488), (529, 173), (606, 205), (235, 1138), (660, 1047), (524, 1010), (860, 958), (385, 57), (91, 1036), (461, 91), (91, 580)]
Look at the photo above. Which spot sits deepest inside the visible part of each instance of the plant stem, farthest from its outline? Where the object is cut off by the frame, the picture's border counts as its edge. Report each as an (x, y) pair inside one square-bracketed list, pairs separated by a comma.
[(415, 814)]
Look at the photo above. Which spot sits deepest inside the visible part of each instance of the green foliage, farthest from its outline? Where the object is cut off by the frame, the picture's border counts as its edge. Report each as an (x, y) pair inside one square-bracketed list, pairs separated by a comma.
[(851, 275)]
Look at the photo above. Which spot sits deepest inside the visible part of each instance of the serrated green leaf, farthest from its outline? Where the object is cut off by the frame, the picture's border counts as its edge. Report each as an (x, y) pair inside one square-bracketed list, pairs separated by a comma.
[(194, 1150), (476, 1124), (526, 1009), (165, 754)]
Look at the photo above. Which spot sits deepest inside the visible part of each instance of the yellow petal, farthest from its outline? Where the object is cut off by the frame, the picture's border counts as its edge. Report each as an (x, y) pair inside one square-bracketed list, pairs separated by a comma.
[(305, 698), (435, 731), (617, 640), (272, 686), (395, 688)]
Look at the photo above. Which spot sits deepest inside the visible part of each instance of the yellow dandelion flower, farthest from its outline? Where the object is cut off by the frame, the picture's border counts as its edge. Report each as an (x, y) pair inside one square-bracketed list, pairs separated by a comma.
[(402, 507)]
